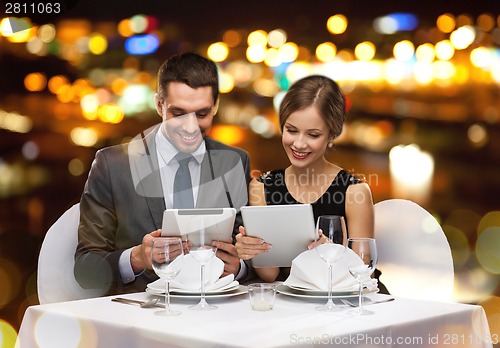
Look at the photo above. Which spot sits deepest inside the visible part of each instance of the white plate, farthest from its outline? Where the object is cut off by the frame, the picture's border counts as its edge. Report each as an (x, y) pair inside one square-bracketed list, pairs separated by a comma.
[(286, 290), (322, 292), (240, 290), (229, 287)]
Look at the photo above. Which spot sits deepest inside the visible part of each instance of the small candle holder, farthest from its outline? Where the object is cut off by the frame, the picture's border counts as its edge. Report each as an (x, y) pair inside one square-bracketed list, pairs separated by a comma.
[(262, 296)]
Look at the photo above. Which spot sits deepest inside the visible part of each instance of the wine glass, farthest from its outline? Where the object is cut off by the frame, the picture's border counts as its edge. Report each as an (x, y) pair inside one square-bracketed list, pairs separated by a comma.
[(366, 249), (202, 247), (330, 250), (166, 258)]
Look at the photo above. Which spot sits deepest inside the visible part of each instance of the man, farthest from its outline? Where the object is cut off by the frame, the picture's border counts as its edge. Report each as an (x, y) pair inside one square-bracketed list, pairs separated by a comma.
[(130, 185)]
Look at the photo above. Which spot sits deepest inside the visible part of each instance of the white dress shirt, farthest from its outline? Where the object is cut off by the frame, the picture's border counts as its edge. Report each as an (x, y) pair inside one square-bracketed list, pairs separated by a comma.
[(168, 166)]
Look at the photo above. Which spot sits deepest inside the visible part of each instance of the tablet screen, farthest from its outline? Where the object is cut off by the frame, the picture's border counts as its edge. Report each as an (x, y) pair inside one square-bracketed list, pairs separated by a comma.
[(218, 222), (288, 228)]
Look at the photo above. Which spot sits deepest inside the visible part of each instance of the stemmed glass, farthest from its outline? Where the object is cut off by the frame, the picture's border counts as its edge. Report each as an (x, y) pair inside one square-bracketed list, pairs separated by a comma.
[(366, 249), (166, 258), (334, 229), (202, 247)]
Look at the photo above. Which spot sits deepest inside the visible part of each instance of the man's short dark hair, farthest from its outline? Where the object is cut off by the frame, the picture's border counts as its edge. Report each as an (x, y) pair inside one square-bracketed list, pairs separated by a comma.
[(191, 69)]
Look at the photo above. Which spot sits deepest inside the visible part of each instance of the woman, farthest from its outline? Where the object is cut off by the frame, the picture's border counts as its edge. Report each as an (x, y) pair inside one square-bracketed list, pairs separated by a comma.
[(311, 114)]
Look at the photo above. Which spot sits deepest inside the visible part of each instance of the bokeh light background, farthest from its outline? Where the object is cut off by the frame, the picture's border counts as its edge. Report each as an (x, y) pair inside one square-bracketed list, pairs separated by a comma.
[(423, 89)]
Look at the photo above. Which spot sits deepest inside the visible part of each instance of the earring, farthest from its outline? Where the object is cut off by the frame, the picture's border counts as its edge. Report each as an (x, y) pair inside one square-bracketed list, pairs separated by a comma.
[(330, 145)]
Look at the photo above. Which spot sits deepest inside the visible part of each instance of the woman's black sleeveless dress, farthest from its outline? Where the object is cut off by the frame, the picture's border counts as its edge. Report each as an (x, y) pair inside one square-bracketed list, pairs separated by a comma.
[(332, 202)]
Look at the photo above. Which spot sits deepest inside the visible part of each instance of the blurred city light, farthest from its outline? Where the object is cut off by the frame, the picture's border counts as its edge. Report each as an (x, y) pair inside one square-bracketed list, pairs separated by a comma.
[(411, 171), (14, 122), (226, 82), (57, 82), (35, 82), (423, 73), (136, 98), (385, 25), (218, 51), (488, 221), (125, 28), (82, 136), (272, 58), (47, 32), (256, 53), (443, 70), (70, 30), (76, 167), (365, 51), (227, 134), (337, 24), (30, 150), (276, 38), (98, 43), (110, 113), (463, 37), (486, 22), (118, 85), (298, 70), (444, 50), (232, 38), (138, 23), (241, 72), (36, 46), (8, 334), (446, 23), (325, 52), (142, 44), (257, 37), (288, 52), (266, 87), (487, 247), (404, 50), (425, 53), (482, 57), (404, 21), (261, 125)]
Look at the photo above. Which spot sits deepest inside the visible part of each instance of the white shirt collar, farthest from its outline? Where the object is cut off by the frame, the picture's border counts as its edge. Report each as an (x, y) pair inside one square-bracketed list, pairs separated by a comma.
[(168, 151)]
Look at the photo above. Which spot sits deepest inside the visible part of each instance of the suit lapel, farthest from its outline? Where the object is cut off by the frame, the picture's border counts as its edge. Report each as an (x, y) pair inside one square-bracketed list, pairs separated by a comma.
[(146, 175)]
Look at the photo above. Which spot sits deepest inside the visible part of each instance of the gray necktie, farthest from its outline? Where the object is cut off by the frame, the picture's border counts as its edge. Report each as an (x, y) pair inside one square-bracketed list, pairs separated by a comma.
[(183, 189)]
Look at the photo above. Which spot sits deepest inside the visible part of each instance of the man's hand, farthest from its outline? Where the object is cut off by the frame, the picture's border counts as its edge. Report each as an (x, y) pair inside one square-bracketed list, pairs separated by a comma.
[(227, 253), (140, 257)]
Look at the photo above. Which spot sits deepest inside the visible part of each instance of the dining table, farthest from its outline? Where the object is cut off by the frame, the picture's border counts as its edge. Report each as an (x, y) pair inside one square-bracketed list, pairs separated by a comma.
[(292, 322)]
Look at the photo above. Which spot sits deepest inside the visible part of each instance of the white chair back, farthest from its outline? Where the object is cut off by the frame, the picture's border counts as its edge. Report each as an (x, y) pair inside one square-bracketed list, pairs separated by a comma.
[(414, 255), (55, 278)]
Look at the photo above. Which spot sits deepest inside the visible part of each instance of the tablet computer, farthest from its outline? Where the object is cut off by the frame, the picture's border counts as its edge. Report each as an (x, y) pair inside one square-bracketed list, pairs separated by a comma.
[(289, 228), (217, 222)]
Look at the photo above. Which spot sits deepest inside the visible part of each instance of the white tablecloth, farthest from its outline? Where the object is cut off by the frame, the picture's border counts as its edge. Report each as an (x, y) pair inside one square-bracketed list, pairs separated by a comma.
[(293, 322)]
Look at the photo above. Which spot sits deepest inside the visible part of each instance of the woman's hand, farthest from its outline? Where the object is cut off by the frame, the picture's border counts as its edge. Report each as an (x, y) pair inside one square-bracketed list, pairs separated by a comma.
[(247, 247), (322, 239)]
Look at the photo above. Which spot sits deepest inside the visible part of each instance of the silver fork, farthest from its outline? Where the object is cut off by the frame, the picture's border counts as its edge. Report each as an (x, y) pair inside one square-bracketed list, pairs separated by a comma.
[(350, 304), (143, 304)]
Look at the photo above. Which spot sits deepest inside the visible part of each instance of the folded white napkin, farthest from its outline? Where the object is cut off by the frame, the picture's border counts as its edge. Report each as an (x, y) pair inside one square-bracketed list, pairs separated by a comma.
[(310, 272), (189, 278)]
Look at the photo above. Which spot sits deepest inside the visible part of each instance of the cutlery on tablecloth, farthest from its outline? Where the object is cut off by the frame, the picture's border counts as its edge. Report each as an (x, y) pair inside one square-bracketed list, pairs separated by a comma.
[(350, 304), (144, 304)]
